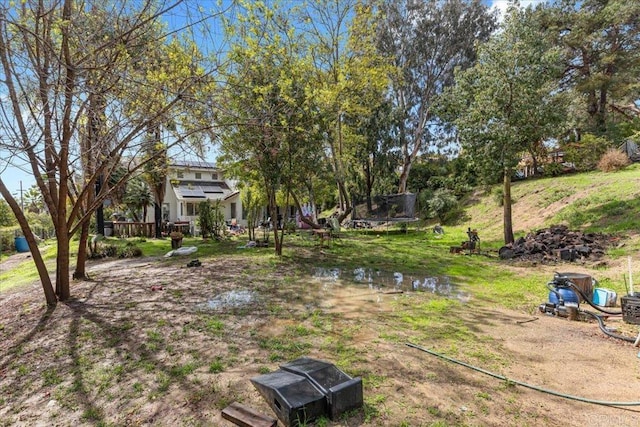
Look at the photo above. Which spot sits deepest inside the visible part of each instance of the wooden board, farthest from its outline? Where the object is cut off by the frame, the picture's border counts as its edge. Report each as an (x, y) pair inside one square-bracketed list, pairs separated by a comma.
[(244, 416)]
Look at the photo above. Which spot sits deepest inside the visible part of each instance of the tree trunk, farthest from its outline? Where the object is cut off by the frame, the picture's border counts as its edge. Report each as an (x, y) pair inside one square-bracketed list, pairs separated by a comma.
[(507, 220), (63, 289), (273, 212), (404, 176), (369, 179), (80, 271), (45, 280), (157, 219)]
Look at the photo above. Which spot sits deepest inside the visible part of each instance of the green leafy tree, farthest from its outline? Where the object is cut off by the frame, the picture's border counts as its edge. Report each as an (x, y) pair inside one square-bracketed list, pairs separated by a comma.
[(427, 41), (33, 201), (351, 78), (507, 101), (600, 41), (137, 198), (211, 219), (267, 133), (586, 153), (442, 204), (253, 200), (6, 216)]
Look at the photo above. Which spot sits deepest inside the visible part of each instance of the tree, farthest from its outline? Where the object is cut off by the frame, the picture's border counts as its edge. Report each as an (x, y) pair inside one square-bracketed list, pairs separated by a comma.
[(137, 198), (252, 203), (211, 219), (6, 216), (600, 41), (427, 40), (33, 201), (507, 101), (65, 66), (265, 129), (349, 80)]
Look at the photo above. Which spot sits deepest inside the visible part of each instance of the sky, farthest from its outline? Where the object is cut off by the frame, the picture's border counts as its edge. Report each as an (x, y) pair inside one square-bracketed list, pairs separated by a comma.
[(14, 177)]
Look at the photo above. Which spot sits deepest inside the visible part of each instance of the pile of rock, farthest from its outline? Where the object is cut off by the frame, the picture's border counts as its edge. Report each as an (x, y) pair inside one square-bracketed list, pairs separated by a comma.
[(558, 243)]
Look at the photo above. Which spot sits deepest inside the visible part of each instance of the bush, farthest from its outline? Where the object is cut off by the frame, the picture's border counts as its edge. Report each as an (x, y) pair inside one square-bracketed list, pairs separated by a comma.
[(586, 153), (613, 160), (443, 205), (7, 242), (130, 250), (553, 169)]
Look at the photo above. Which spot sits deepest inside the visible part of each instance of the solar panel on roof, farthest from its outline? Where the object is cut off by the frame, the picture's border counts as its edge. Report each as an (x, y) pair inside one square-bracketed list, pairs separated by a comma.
[(212, 189), (194, 164), (190, 192)]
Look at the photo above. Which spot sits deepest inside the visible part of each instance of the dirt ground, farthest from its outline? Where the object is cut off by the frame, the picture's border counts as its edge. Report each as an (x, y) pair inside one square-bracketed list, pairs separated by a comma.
[(111, 355)]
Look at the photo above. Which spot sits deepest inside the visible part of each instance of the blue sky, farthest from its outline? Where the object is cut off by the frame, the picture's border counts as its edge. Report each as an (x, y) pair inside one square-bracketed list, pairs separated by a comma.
[(12, 176)]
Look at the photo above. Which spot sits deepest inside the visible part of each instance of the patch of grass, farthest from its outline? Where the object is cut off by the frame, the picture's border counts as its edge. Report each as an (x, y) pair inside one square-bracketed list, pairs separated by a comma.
[(298, 330), (214, 326), (181, 371), (216, 366), (51, 377), (138, 388), (283, 348), (93, 414), (264, 370)]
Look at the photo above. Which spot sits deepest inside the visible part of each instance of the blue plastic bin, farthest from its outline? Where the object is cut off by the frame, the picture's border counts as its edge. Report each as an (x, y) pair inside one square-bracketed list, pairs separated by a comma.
[(21, 244)]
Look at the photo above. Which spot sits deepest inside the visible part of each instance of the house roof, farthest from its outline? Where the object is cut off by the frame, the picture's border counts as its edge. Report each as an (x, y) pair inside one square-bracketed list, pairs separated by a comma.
[(214, 190), (193, 164)]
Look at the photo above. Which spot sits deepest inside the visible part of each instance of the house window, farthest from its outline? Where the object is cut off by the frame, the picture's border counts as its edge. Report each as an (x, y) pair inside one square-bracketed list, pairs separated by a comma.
[(180, 174), (233, 210), (244, 213), (198, 175), (192, 209), (214, 176)]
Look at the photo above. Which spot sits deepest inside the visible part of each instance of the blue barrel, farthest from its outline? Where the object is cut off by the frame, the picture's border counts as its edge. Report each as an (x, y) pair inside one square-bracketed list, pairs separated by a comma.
[(21, 244), (567, 294)]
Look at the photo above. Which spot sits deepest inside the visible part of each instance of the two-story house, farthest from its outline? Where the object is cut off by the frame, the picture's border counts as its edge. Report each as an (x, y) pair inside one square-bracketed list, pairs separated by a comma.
[(191, 182)]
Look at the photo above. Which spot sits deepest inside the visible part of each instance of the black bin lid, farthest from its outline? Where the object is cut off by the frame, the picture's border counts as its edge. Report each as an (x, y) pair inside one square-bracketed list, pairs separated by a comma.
[(324, 375)]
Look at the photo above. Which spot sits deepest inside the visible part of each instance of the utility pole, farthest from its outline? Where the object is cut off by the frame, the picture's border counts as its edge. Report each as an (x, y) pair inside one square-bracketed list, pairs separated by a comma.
[(21, 191)]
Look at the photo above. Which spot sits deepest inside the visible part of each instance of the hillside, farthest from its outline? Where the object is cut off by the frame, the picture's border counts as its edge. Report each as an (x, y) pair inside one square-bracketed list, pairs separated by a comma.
[(594, 201)]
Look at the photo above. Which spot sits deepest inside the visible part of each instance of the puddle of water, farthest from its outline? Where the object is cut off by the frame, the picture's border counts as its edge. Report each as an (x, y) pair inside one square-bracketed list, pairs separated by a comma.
[(379, 280), (231, 299)]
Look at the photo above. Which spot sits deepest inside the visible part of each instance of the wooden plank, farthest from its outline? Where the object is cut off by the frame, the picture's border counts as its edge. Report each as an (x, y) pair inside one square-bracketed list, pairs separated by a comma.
[(244, 416)]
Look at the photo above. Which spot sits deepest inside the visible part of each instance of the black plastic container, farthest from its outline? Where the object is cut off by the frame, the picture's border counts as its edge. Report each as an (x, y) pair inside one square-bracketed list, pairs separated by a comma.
[(630, 309), (305, 389), (292, 397), (343, 393)]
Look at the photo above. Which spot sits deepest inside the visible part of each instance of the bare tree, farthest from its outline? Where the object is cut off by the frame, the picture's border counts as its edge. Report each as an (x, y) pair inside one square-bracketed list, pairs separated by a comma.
[(79, 106)]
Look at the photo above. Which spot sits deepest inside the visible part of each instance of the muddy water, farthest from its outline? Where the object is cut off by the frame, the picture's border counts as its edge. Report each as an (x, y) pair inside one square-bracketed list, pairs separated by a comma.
[(386, 282), (231, 299), (353, 290)]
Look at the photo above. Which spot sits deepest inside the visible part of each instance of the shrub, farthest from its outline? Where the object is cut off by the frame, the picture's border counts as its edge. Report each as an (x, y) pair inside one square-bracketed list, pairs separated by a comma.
[(586, 153), (130, 250), (443, 205), (553, 169), (613, 160)]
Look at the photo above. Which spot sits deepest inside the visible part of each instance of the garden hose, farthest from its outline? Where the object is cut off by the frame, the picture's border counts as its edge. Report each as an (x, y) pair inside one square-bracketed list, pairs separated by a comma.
[(605, 330), (588, 300), (533, 387)]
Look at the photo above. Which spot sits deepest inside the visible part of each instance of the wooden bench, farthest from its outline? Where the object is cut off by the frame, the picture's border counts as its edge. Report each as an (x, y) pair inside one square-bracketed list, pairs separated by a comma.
[(245, 416)]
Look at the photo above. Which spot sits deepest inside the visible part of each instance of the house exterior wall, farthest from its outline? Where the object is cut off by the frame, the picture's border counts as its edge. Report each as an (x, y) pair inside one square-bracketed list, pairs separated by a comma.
[(184, 188)]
